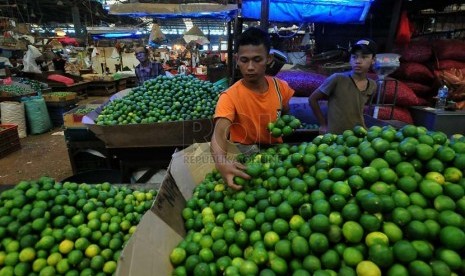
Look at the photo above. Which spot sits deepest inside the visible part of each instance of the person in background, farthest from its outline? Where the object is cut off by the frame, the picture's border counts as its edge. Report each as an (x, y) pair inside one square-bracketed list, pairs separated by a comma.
[(244, 110), (347, 92), (59, 62), (5, 60), (146, 69), (5, 65)]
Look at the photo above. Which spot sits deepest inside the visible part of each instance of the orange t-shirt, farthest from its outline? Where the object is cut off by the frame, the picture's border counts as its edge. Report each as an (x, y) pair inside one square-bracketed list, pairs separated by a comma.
[(250, 112)]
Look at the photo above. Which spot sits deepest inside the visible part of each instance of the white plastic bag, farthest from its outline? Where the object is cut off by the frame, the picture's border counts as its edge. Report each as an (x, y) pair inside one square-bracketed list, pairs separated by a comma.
[(29, 62), (13, 113), (35, 53)]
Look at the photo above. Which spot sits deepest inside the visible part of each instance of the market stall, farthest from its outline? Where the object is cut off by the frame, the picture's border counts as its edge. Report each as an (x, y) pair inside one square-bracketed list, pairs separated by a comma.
[(383, 200)]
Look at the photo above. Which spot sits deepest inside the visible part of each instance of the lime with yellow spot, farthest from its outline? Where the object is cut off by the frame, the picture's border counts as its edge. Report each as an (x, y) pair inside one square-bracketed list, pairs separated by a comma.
[(92, 250), (38, 264), (367, 268), (54, 258), (109, 267), (27, 255), (376, 238), (435, 176), (65, 246), (452, 174)]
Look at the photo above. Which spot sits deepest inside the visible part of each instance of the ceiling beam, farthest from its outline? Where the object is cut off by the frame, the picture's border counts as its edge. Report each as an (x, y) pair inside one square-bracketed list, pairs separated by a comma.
[(148, 9)]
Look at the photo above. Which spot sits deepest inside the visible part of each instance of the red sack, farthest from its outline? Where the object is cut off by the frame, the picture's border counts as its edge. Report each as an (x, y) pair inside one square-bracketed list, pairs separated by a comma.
[(405, 95), (400, 114), (413, 71), (449, 64), (60, 78), (449, 49), (416, 51), (420, 89)]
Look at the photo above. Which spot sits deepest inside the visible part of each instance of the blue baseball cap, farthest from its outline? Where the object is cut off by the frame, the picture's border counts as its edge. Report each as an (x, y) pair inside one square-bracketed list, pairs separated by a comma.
[(367, 46)]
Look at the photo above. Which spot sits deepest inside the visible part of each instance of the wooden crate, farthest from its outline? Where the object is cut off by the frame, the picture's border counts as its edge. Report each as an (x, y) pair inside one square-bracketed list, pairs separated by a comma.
[(51, 97), (9, 139), (101, 88)]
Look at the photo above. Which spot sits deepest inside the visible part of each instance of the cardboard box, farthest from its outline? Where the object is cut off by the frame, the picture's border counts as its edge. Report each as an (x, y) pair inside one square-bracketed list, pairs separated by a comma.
[(166, 134), (73, 120), (162, 227)]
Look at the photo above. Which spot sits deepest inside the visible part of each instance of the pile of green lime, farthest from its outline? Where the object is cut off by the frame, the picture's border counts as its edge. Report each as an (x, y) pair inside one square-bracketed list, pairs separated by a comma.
[(49, 228), (310, 126), (163, 99), (284, 126), (367, 202)]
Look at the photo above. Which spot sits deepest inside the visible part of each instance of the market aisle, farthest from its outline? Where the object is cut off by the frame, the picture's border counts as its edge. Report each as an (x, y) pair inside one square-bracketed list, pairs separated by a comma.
[(44, 154)]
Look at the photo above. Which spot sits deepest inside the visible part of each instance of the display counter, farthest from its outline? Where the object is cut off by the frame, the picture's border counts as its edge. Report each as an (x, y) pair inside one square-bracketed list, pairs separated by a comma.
[(449, 122), (79, 86)]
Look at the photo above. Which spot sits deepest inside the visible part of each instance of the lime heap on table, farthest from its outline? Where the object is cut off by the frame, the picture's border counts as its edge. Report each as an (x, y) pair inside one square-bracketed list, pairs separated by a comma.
[(49, 228), (367, 202), (163, 99)]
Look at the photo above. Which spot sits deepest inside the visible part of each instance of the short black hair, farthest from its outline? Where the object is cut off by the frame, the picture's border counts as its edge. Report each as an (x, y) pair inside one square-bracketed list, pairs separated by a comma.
[(254, 36)]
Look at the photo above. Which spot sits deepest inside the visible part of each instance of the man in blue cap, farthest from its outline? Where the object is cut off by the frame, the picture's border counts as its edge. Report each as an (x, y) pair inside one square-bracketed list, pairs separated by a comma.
[(347, 92)]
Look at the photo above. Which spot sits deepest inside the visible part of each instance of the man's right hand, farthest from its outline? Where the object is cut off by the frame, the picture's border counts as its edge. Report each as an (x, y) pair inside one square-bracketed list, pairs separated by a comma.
[(230, 169)]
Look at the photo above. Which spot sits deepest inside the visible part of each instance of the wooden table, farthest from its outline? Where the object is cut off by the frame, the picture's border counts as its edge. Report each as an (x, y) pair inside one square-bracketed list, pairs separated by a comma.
[(80, 87), (106, 87)]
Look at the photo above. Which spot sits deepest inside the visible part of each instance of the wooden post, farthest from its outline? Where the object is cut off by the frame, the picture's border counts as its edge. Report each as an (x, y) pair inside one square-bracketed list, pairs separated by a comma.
[(265, 15), (78, 28), (393, 26)]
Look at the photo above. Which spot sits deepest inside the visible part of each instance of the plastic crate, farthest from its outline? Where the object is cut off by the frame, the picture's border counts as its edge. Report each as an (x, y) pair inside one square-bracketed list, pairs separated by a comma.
[(9, 139), (56, 113), (79, 135), (88, 156)]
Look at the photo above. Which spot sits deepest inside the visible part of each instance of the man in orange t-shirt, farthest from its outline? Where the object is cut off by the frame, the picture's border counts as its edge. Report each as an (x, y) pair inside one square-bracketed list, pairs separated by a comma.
[(245, 109)]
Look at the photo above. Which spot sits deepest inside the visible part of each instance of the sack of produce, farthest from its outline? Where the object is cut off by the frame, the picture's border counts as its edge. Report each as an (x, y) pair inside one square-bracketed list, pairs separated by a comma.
[(304, 83), (13, 113), (416, 51), (449, 49), (413, 71), (60, 78), (449, 64), (405, 95), (400, 114), (37, 115), (420, 89)]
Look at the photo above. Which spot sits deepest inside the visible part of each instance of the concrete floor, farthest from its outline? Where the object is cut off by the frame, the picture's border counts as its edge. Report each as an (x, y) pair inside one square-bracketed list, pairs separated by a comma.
[(40, 155)]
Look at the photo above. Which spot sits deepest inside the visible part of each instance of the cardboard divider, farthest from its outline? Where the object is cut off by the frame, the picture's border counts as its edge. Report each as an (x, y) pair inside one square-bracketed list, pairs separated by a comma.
[(169, 204), (162, 227), (146, 253)]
